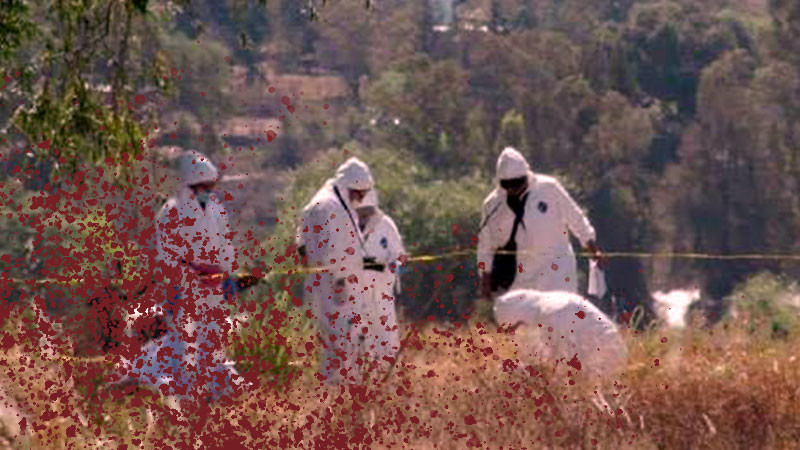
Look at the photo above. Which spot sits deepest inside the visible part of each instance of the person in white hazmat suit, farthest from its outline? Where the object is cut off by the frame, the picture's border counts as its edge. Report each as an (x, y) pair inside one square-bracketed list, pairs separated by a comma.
[(523, 242), (329, 240), (194, 247), (563, 328), (377, 334)]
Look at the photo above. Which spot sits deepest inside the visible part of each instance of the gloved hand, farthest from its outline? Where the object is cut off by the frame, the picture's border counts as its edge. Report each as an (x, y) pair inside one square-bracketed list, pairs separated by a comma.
[(245, 280), (237, 282), (602, 259), (230, 288)]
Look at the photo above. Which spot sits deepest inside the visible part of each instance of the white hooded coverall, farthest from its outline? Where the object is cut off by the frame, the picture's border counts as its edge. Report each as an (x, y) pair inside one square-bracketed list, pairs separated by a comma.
[(329, 232), (545, 258), (571, 327), (187, 233), (378, 327)]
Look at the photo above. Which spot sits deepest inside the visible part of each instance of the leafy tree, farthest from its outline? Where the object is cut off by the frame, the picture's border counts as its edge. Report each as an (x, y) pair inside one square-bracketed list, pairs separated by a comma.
[(427, 98), (85, 85), (512, 133)]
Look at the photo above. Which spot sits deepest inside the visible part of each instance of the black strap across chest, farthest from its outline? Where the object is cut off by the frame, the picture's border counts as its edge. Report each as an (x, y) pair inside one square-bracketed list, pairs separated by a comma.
[(352, 220), (519, 214)]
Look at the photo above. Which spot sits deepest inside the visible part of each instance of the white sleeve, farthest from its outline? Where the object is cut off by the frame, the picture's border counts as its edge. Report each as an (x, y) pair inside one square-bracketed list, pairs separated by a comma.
[(309, 233), (395, 246), (575, 219), (168, 237)]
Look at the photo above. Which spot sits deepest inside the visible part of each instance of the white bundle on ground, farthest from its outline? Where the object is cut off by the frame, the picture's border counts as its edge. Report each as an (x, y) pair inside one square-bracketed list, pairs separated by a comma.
[(560, 326)]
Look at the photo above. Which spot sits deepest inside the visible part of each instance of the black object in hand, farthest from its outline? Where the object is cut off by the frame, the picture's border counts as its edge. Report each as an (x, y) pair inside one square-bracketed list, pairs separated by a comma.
[(371, 264)]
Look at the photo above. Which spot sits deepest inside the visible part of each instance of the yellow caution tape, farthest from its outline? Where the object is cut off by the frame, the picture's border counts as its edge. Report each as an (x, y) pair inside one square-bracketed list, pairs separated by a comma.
[(461, 253)]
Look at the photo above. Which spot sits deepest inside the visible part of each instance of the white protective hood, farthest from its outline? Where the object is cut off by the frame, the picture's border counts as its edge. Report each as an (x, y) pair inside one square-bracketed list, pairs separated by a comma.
[(194, 167), (353, 174), (511, 164)]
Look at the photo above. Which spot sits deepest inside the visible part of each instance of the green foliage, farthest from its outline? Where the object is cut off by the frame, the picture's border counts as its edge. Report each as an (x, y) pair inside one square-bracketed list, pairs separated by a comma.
[(427, 98), (15, 27), (768, 305), (266, 344), (512, 133), (203, 88), (81, 89)]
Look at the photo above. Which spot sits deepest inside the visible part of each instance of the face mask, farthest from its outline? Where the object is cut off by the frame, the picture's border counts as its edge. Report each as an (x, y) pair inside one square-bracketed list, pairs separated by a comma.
[(203, 197)]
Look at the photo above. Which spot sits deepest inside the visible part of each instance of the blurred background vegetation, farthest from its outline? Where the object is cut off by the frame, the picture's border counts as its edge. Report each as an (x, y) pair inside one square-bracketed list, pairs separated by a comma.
[(673, 123)]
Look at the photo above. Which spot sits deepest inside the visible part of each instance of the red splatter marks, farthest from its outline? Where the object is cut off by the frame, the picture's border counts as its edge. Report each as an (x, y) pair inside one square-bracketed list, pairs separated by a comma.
[(656, 362), (44, 145), (470, 420), (7, 341), (456, 228), (227, 59), (325, 106), (575, 363), (567, 279), (286, 100), (203, 93), (581, 315), (519, 267), (271, 90), (350, 251), (271, 135), (232, 444), (664, 340), (554, 266), (173, 71)]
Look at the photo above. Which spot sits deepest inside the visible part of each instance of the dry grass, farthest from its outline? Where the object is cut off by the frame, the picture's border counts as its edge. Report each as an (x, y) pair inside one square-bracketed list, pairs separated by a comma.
[(452, 390)]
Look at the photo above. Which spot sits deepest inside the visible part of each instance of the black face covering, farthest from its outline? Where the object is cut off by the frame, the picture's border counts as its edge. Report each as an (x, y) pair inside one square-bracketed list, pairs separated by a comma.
[(513, 183)]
